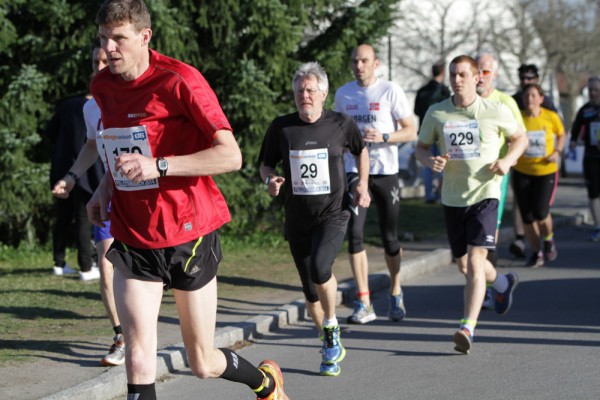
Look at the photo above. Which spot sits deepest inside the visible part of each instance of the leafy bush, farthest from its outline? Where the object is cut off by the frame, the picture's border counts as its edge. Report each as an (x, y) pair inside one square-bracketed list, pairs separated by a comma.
[(247, 50)]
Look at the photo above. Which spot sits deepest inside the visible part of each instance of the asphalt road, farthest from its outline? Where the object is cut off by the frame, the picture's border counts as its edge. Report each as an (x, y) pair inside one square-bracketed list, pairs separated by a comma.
[(546, 347)]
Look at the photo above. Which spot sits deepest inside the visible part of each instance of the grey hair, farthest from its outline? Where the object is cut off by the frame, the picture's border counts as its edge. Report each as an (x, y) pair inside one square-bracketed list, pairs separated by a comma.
[(492, 56), (593, 79), (311, 69)]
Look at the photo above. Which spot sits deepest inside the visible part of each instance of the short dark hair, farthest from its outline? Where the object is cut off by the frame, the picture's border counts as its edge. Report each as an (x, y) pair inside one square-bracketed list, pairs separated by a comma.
[(437, 68), (124, 11), (528, 68)]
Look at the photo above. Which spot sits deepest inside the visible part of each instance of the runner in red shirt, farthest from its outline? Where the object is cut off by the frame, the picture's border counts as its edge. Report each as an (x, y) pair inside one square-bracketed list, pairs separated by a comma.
[(165, 135)]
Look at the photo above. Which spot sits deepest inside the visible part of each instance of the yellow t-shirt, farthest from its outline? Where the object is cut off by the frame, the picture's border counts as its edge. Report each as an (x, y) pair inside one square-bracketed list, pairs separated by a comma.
[(542, 132)]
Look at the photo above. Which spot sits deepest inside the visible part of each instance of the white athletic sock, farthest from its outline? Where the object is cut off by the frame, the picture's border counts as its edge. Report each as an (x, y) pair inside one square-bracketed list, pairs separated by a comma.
[(501, 283), (468, 325), (330, 322)]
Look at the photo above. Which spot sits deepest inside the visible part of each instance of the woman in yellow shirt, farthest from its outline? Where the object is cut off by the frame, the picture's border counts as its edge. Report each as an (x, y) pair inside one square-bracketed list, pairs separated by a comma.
[(535, 175)]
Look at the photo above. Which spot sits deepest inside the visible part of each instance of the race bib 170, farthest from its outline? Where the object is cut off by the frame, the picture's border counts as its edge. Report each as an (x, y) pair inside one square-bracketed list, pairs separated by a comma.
[(126, 140)]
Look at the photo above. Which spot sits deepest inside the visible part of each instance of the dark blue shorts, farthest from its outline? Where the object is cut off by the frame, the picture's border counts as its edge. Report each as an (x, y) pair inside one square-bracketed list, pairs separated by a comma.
[(471, 226)]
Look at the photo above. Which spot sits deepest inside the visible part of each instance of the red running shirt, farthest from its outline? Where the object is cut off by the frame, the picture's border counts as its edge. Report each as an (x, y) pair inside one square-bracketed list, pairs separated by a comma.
[(181, 114)]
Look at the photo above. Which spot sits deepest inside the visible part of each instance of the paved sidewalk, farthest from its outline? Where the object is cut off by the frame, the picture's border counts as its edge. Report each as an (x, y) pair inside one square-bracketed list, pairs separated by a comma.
[(57, 379), (289, 309)]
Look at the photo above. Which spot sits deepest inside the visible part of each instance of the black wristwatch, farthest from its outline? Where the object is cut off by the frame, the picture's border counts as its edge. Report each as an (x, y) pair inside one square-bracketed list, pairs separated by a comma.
[(386, 137), (162, 165), (73, 176)]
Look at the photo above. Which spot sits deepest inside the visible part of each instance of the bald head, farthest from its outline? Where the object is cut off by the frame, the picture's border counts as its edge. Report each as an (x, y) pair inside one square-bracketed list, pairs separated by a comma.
[(364, 64), (365, 49)]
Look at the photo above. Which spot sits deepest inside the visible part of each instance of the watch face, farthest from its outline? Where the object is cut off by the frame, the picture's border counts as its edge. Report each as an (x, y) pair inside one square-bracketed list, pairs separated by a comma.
[(162, 164), (385, 137)]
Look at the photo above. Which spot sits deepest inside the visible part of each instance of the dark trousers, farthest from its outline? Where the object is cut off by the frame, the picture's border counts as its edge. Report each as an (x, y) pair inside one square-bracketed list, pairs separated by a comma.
[(71, 218)]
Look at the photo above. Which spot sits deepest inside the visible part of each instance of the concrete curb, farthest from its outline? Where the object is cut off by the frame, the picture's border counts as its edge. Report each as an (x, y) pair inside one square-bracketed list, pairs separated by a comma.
[(410, 269), (113, 383)]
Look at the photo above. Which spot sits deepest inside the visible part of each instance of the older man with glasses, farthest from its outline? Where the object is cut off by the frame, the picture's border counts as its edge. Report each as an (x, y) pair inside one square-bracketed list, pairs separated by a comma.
[(486, 88), (308, 146)]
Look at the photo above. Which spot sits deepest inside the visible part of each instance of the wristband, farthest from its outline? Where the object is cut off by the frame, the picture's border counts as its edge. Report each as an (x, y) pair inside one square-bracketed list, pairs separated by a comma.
[(73, 176)]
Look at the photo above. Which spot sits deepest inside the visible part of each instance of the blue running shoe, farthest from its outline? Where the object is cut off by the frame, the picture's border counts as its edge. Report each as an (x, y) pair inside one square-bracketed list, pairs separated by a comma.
[(504, 300), (330, 369), (488, 300), (362, 314), (396, 312), (462, 340), (332, 350)]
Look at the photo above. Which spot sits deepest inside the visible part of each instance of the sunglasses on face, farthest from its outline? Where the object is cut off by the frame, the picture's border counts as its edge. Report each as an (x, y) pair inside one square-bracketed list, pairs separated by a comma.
[(485, 72)]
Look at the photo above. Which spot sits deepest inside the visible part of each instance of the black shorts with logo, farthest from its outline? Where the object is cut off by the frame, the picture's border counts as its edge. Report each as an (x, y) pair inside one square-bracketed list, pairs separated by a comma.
[(471, 226), (189, 266)]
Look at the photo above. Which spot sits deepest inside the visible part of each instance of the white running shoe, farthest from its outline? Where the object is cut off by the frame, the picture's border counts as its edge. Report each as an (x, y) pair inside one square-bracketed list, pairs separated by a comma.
[(90, 275), (116, 354), (65, 270)]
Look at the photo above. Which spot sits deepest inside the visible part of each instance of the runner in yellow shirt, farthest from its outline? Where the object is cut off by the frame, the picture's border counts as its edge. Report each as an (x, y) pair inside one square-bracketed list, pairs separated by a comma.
[(535, 175)]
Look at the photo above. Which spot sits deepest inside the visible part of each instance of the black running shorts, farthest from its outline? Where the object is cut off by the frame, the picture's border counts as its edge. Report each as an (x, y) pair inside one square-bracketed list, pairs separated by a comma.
[(188, 267), (471, 226)]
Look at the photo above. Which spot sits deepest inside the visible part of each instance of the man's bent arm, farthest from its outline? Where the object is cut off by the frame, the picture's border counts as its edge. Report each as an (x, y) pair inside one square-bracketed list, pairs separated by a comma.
[(361, 195), (224, 156), (407, 131)]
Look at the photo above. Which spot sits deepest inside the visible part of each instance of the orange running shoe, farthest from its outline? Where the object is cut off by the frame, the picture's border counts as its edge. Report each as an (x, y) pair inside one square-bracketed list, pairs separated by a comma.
[(270, 367)]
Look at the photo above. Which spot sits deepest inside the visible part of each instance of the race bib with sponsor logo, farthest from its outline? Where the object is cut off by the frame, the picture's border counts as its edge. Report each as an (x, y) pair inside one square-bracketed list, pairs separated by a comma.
[(126, 140), (537, 144), (462, 139), (310, 172)]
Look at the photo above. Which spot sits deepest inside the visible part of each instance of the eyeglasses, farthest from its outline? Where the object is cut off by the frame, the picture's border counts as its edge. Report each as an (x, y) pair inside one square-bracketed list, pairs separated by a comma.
[(309, 91), (485, 72)]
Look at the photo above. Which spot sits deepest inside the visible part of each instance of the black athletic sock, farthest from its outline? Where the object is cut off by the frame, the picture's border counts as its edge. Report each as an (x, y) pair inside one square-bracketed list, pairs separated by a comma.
[(118, 330), (141, 392), (240, 370)]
